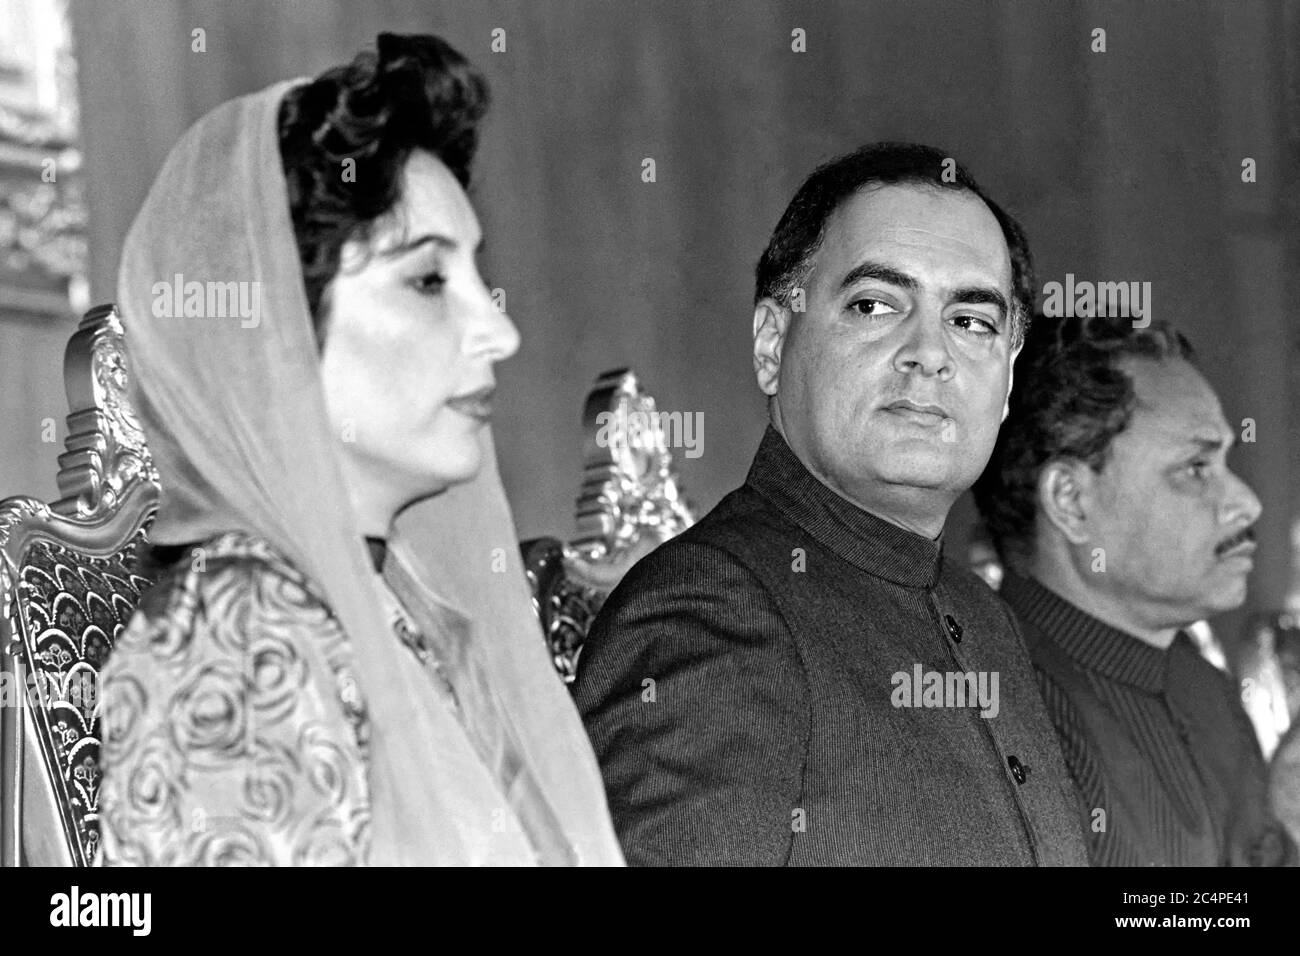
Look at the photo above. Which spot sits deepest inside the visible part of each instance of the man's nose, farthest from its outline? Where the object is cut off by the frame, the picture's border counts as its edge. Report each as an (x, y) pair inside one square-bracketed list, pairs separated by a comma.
[(1240, 504), (925, 349)]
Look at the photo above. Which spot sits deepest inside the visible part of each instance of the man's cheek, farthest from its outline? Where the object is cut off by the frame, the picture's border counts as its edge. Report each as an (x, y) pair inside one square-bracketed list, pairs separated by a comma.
[(994, 391)]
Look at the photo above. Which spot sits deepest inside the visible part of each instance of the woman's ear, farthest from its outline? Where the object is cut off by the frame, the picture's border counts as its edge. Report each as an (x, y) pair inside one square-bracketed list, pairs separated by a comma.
[(771, 321), (1063, 497)]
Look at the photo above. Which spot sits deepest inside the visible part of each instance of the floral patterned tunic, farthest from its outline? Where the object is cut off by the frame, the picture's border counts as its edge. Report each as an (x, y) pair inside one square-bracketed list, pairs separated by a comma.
[(234, 731)]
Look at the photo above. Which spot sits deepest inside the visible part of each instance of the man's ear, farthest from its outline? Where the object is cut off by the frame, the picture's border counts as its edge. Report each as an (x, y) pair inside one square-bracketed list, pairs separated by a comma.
[(1011, 381), (771, 322), (1063, 497)]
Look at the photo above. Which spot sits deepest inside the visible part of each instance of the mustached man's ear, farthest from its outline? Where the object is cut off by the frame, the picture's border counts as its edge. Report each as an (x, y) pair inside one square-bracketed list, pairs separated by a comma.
[(1063, 497), (771, 321)]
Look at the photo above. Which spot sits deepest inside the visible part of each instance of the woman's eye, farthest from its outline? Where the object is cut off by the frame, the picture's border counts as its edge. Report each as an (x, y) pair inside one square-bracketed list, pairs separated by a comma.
[(430, 284), (976, 325), (869, 307)]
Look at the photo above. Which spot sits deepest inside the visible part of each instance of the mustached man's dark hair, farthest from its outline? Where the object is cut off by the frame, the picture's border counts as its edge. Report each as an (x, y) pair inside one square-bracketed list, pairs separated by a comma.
[(787, 260), (412, 92), (1071, 398)]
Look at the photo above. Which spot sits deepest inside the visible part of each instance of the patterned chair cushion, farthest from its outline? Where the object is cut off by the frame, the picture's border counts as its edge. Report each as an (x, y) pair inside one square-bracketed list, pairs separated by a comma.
[(74, 606)]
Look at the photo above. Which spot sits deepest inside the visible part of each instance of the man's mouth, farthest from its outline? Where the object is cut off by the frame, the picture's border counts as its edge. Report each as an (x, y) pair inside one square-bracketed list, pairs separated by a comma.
[(916, 412), (1240, 545), (476, 404)]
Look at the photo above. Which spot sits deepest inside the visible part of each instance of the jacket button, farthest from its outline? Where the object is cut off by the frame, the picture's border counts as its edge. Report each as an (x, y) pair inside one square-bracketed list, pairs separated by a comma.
[(954, 629), (1018, 770)]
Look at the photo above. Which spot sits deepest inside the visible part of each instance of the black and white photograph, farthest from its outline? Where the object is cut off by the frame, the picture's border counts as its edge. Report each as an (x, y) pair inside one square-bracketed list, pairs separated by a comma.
[(604, 433)]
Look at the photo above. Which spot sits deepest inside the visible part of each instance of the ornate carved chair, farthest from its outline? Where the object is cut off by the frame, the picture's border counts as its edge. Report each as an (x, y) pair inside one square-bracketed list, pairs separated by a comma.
[(70, 582), (630, 503)]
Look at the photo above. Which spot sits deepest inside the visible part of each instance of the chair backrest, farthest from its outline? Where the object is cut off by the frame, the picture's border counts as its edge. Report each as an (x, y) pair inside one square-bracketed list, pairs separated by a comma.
[(69, 573), (630, 503)]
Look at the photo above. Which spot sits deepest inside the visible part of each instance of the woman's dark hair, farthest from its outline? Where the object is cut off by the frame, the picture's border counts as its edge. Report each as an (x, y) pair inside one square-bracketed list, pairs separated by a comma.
[(1070, 399), (413, 92)]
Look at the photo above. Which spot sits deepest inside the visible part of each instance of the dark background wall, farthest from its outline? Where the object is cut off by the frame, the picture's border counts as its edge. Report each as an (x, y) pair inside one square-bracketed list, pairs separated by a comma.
[(1123, 165)]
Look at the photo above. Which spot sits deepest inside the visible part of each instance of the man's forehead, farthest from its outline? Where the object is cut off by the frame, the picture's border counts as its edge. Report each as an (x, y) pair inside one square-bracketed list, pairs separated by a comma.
[(946, 231), (1175, 404)]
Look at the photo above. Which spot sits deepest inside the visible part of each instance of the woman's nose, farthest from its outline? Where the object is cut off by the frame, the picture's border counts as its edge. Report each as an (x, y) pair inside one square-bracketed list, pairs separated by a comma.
[(494, 333)]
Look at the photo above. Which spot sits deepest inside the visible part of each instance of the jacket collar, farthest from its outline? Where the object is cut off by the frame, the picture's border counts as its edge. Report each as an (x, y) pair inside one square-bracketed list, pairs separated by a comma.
[(1088, 641), (872, 544)]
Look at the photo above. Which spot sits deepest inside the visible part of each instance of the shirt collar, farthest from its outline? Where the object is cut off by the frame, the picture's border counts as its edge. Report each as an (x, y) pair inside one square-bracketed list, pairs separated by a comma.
[(868, 542), (1090, 642)]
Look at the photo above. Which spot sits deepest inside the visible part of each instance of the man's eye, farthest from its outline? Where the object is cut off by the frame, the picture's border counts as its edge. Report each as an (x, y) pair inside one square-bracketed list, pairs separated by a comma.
[(869, 307), (430, 284), (1198, 470), (976, 325)]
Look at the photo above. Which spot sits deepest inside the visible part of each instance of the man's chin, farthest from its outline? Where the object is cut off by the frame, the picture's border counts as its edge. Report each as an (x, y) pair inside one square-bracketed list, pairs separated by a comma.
[(1226, 593), (923, 469)]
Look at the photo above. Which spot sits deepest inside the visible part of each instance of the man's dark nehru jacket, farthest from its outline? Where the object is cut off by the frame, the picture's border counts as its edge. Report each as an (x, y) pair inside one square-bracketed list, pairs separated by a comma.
[(737, 689)]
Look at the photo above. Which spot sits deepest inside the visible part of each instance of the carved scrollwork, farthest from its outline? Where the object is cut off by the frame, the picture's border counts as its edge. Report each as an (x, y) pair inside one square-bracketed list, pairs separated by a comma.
[(69, 610), (564, 607), (106, 450), (630, 503), (111, 373), (630, 489), (70, 580), (15, 513)]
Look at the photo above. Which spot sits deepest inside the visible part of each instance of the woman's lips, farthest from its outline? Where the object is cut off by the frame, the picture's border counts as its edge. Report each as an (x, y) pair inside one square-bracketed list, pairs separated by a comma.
[(476, 405)]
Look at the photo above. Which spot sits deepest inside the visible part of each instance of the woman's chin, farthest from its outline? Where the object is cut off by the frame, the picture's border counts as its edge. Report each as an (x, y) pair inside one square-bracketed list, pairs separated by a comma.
[(436, 467), (447, 470), (446, 476)]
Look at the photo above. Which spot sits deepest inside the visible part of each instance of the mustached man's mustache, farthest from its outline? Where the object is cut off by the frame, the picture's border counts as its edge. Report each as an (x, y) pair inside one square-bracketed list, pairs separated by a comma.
[(1227, 544)]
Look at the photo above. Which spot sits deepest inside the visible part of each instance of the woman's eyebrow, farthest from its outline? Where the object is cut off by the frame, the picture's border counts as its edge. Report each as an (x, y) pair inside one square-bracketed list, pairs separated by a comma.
[(446, 243), (408, 246)]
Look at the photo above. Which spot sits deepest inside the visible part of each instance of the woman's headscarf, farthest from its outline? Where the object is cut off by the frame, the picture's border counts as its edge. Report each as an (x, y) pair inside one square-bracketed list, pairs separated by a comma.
[(234, 413)]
